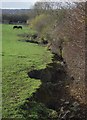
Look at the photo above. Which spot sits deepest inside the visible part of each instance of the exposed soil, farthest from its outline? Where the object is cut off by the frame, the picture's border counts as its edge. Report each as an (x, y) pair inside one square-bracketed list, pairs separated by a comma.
[(30, 41), (53, 82), (53, 92)]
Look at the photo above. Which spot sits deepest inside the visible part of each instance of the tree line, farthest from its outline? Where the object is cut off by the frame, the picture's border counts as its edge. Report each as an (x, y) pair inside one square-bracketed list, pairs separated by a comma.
[(15, 16)]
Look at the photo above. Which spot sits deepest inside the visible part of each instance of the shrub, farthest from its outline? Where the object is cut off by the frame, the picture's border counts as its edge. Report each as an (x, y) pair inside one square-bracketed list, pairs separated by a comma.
[(40, 22)]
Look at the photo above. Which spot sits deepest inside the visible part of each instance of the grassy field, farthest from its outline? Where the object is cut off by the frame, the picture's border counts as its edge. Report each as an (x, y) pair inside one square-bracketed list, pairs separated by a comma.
[(18, 59)]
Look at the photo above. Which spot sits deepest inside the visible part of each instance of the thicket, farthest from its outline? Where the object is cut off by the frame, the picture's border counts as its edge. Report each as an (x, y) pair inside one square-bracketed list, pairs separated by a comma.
[(58, 22)]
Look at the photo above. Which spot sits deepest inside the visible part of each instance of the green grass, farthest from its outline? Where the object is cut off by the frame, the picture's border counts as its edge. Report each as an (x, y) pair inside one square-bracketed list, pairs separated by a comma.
[(18, 59)]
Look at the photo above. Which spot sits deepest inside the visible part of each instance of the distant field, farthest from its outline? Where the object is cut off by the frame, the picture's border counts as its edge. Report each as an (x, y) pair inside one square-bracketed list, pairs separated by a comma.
[(18, 59)]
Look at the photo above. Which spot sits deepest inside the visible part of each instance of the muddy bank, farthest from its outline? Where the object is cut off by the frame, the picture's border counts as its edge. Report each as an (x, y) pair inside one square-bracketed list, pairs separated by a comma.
[(53, 87), (32, 39), (54, 92)]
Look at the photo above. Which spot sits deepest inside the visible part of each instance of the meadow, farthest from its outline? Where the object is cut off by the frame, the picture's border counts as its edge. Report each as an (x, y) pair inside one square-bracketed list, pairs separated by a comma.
[(18, 58)]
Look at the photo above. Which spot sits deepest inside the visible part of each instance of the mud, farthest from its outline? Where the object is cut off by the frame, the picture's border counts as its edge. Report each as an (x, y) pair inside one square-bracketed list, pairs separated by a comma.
[(54, 90)]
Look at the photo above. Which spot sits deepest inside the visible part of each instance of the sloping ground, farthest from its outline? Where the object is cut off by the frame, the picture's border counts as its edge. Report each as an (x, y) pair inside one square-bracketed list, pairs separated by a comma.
[(54, 94), (18, 58), (34, 86)]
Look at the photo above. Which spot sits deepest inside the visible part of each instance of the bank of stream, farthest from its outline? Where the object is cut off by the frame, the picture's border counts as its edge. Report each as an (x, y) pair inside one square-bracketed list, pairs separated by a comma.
[(53, 94)]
